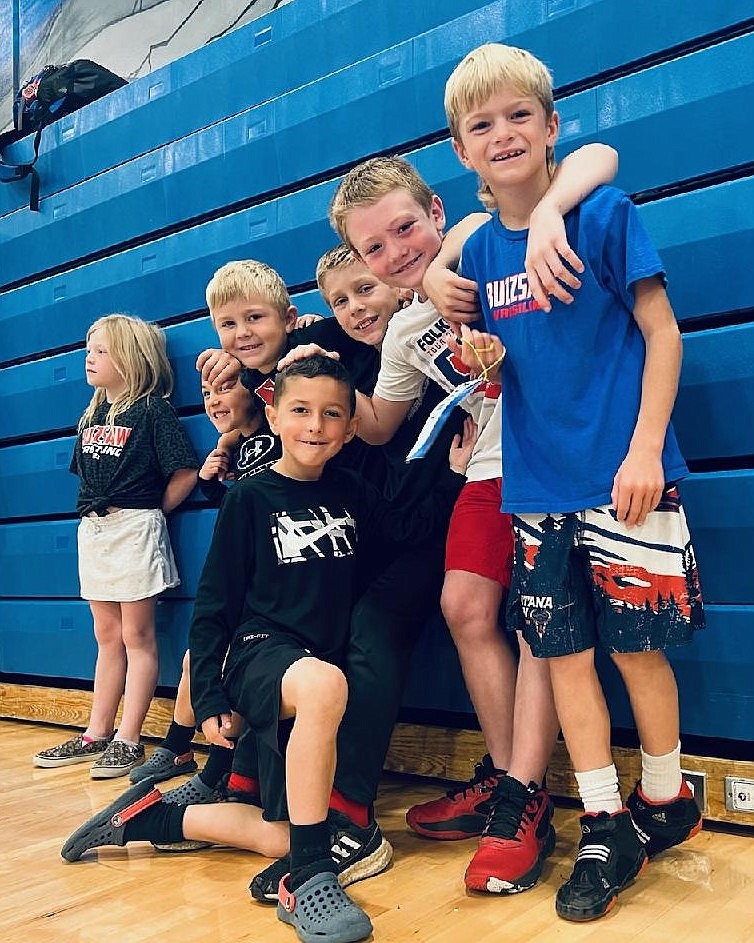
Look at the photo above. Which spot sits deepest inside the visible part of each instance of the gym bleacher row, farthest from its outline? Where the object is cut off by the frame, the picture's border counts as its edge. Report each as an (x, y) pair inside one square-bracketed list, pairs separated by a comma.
[(234, 152)]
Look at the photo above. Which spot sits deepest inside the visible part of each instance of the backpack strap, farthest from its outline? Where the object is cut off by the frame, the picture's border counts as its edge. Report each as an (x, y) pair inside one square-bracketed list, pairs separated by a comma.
[(20, 171)]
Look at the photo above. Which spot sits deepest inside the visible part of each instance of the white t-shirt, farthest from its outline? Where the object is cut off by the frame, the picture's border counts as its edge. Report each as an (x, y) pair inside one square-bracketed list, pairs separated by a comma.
[(415, 348)]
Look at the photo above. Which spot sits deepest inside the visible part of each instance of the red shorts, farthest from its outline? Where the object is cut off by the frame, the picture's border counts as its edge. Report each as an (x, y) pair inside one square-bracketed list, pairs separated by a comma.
[(480, 536)]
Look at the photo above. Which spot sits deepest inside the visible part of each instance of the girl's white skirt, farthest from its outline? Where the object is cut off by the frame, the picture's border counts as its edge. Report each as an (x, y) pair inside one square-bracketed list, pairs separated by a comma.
[(125, 556)]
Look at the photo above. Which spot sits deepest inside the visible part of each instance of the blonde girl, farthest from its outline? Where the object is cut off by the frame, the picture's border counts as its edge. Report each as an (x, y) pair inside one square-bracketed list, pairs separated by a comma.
[(135, 464)]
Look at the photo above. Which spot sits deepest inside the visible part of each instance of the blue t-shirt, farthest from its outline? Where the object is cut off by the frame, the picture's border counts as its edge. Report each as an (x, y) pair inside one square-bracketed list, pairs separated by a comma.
[(571, 378)]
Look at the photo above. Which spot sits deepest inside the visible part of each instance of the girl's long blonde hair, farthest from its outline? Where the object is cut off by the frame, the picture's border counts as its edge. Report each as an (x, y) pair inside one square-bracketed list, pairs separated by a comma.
[(139, 355)]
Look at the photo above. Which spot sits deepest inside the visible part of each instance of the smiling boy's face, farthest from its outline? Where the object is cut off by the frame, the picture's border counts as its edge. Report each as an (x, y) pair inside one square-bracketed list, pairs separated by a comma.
[(396, 238), (361, 303), (228, 406), (313, 419), (505, 139), (254, 331)]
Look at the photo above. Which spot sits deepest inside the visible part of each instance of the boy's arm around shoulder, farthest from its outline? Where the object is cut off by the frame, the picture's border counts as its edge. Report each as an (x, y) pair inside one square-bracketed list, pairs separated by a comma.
[(640, 481), (219, 604)]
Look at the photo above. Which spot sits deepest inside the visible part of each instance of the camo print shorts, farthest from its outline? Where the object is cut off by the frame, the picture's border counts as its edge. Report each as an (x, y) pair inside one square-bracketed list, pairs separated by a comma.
[(584, 578)]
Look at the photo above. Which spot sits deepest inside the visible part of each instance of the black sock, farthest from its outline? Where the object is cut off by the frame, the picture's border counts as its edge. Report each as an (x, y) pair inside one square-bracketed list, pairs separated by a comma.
[(219, 763), (178, 738), (161, 823), (310, 852)]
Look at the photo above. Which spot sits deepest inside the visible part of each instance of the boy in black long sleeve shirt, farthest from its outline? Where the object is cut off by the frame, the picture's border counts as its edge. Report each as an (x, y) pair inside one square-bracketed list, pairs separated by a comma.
[(277, 586)]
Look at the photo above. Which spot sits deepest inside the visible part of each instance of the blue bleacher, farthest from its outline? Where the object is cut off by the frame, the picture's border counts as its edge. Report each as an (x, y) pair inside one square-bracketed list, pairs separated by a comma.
[(235, 150)]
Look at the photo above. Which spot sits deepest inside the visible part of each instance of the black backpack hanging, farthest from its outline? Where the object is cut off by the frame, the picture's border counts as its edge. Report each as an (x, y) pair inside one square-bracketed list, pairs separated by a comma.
[(54, 92)]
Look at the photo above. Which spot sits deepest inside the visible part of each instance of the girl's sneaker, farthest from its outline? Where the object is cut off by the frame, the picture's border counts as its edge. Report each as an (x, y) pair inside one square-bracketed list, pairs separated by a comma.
[(75, 750), (118, 759)]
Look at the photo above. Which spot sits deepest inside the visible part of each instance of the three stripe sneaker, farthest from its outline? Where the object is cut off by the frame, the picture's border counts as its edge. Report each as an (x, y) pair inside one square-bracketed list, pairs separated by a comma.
[(611, 856), (358, 853), (662, 825)]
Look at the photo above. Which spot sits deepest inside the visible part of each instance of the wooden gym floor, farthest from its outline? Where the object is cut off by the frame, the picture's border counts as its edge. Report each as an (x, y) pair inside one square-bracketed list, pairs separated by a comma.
[(701, 891)]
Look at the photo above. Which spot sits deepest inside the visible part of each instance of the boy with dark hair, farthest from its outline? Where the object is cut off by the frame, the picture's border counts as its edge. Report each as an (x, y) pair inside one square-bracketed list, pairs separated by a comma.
[(590, 460), (276, 596)]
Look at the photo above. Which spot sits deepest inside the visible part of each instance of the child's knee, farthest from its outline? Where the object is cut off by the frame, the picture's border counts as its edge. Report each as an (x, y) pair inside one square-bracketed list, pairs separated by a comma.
[(635, 664), (318, 687), (577, 666), (470, 617)]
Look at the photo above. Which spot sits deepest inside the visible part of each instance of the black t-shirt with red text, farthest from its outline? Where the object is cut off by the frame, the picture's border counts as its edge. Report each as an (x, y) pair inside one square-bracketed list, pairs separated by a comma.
[(129, 463)]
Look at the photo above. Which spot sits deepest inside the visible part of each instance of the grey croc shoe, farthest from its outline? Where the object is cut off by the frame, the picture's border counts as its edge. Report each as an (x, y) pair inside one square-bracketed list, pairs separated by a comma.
[(321, 912), (108, 826), (193, 792), (164, 764)]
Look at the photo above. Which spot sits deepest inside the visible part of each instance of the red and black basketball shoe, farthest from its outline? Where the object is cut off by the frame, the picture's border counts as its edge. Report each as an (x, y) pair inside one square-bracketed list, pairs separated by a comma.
[(611, 856), (462, 812), (516, 840), (664, 824)]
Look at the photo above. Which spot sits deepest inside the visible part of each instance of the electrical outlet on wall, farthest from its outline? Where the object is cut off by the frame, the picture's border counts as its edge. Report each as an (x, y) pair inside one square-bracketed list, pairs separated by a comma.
[(739, 794)]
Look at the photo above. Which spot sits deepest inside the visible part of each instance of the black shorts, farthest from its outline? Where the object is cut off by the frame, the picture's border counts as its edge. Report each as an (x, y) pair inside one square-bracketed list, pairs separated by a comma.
[(257, 660)]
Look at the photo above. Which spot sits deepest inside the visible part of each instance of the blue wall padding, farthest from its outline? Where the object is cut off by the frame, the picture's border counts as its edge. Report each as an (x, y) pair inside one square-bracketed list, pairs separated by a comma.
[(255, 66), (247, 156), (59, 641), (243, 69), (714, 416), (720, 510), (705, 237), (39, 558), (706, 240)]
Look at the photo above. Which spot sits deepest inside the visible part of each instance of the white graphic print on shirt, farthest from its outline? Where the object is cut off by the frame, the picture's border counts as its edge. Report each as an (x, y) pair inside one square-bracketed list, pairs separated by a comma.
[(312, 533)]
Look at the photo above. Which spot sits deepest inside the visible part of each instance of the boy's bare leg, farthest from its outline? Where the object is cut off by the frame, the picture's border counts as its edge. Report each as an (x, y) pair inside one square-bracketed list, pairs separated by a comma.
[(237, 825), (470, 605), (315, 693), (535, 721), (653, 693), (582, 711), (110, 670), (141, 673)]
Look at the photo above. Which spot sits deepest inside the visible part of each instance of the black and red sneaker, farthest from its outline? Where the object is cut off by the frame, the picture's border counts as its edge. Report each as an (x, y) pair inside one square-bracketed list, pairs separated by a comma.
[(462, 812), (664, 824), (611, 856), (516, 840)]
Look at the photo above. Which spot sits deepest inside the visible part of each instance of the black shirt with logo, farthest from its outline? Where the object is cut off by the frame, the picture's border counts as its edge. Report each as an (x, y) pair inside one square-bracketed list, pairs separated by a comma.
[(282, 561), (128, 464)]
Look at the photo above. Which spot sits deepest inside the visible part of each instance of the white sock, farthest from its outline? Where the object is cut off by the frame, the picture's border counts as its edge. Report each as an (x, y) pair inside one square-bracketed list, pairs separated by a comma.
[(599, 789), (661, 775)]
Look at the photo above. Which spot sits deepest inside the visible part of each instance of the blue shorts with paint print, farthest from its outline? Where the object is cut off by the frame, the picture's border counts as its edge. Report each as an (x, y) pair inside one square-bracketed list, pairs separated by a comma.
[(584, 578)]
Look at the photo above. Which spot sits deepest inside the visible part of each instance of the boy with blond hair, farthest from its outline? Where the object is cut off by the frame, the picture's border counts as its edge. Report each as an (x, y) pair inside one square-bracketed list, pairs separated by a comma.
[(393, 222), (590, 460)]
